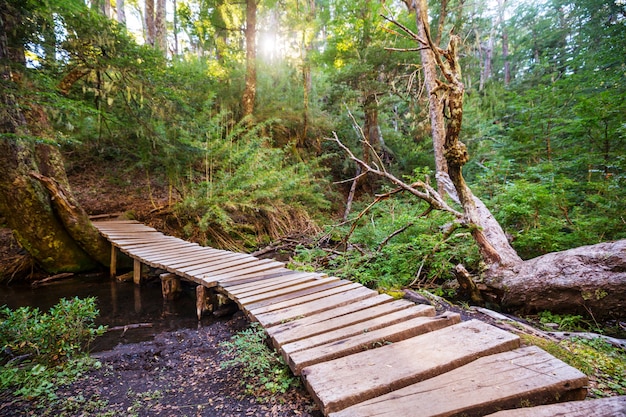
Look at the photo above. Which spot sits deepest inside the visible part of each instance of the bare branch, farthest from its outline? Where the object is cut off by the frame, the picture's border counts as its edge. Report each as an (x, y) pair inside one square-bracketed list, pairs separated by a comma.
[(419, 188)]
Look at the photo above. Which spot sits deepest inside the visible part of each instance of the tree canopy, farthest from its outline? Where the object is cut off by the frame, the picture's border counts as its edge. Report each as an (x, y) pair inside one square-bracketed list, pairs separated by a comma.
[(165, 88)]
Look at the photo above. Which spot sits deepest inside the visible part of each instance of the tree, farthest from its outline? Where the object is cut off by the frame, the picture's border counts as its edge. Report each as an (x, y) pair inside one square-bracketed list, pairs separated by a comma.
[(50, 224), (513, 282), (249, 92)]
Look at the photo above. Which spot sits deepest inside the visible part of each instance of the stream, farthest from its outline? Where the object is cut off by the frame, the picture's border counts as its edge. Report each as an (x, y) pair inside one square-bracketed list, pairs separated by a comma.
[(120, 304)]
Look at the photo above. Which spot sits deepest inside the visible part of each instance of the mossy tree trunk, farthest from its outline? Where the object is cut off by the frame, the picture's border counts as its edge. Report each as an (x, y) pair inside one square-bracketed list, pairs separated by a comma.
[(35, 198)]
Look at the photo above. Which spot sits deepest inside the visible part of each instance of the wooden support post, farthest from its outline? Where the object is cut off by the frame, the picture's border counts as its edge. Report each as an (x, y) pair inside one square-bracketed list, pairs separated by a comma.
[(170, 286), (113, 264), (137, 272), (206, 300), (200, 300)]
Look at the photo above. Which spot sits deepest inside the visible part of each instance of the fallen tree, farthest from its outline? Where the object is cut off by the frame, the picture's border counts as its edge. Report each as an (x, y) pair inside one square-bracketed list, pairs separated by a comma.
[(589, 279)]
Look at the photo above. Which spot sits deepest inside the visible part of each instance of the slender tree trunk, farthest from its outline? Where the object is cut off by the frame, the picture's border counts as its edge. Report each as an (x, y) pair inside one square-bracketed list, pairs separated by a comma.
[(149, 23), (249, 93), (435, 103), (160, 28), (505, 42), (121, 12)]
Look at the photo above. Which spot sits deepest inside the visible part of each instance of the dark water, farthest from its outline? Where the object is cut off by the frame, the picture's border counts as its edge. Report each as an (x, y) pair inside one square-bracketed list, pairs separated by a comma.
[(120, 304)]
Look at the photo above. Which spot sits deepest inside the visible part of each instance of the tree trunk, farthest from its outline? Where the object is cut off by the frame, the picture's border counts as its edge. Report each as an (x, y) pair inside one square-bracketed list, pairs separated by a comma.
[(435, 103), (149, 23), (585, 280), (121, 12), (24, 202), (249, 93), (160, 28)]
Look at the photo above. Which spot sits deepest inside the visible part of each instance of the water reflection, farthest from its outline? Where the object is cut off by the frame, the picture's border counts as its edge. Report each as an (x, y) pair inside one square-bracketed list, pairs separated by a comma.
[(120, 304)]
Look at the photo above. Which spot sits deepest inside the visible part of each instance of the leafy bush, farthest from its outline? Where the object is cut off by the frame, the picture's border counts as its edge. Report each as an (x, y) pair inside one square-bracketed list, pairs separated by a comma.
[(263, 368), (42, 351), (53, 337)]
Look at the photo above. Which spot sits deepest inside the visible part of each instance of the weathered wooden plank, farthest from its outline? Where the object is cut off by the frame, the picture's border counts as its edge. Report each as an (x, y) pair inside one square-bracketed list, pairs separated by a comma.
[(354, 329), (269, 281), (302, 296), (215, 264), (218, 264), (276, 284), (190, 258), (400, 364), (194, 251), (261, 265), (504, 380), (369, 340), (347, 297), (602, 407), (283, 290), (161, 246), (289, 331), (257, 277)]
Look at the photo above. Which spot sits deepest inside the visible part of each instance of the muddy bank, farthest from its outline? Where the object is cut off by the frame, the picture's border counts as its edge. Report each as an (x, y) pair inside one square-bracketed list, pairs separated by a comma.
[(178, 373)]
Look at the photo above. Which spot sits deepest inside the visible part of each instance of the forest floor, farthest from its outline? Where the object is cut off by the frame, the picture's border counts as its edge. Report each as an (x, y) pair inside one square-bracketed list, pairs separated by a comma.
[(177, 373)]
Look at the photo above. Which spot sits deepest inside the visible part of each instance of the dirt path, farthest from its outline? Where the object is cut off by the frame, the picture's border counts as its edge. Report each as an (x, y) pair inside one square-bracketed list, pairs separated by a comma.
[(176, 374)]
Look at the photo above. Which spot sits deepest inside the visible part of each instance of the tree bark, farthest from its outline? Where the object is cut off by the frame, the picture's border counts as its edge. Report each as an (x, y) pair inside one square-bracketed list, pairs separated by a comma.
[(149, 24), (585, 280), (160, 28), (249, 93), (429, 67)]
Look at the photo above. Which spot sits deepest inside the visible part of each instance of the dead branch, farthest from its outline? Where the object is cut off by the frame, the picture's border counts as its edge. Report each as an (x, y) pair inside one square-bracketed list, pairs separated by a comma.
[(429, 194)]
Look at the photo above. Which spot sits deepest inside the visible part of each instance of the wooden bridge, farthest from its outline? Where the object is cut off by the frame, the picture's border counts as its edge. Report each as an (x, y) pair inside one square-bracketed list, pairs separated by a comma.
[(361, 353)]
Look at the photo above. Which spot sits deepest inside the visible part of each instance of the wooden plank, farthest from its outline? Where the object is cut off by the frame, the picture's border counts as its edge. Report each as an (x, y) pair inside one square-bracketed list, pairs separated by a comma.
[(256, 277), (302, 296), (282, 291), (289, 276), (602, 407), (363, 316), (348, 297), (190, 257), (160, 246), (291, 330), (401, 364), (271, 285), (355, 329), (262, 265), (504, 380), (214, 261), (219, 264), (369, 340)]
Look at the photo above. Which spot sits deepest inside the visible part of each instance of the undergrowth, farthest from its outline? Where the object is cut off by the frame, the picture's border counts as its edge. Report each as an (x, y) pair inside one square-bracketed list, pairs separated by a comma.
[(393, 247), (42, 351), (264, 370)]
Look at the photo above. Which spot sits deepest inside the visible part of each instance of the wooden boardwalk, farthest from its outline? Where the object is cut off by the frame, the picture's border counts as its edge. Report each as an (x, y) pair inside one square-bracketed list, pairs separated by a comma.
[(361, 353)]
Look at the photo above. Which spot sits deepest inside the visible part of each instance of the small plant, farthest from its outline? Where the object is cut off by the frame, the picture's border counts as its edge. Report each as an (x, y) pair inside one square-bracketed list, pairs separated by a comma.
[(567, 322), (263, 368)]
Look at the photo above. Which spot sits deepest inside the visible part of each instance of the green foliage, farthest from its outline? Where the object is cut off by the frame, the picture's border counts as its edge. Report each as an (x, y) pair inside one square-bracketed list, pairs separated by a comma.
[(377, 260), (50, 338), (565, 322), (263, 368), (240, 190), (43, 351)]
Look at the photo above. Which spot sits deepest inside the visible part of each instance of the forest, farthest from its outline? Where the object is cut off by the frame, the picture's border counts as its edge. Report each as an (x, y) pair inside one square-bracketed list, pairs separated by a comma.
[(466, 148), (470, 152)]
